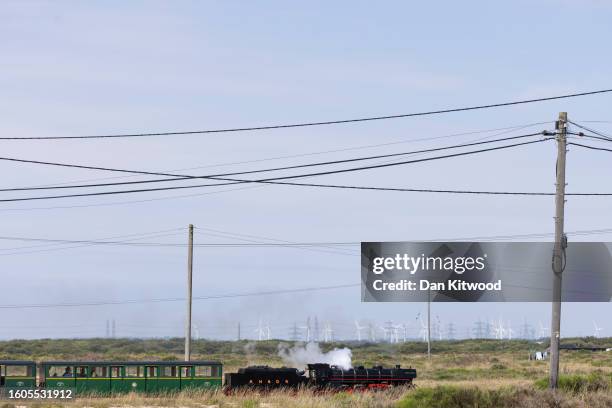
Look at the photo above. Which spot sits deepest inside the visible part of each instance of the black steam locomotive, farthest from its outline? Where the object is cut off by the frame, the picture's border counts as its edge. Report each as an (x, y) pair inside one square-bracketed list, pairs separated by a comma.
[(320, 376)]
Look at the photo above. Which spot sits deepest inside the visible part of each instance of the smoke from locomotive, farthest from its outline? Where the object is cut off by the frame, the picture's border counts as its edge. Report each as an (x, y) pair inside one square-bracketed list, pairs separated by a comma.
[(300, 356)]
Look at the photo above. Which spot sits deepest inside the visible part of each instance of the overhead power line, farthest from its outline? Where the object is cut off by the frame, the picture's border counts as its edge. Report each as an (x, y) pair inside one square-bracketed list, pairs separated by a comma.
[(272, 180), (590, 147), (56, 244), (261, 239), (318, 123), (170, 244), (316, 164), (161, 300), (581, 135), (60, 245), (255, 244), (53, 243), (499, 131), (601, 134)]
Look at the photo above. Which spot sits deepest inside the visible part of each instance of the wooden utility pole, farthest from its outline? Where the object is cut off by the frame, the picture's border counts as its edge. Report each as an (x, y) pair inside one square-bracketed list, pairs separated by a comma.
[(189, 292), (558, 261), (429, 323)]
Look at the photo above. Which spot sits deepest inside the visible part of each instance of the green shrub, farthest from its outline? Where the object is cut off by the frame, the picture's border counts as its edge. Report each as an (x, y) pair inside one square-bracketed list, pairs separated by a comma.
[(249, 403), (580, 383), (456, 397), (498, 366)]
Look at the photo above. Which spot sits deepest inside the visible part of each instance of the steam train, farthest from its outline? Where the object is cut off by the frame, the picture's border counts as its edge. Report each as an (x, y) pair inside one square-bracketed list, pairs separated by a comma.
[(320, 376), (116, 377)]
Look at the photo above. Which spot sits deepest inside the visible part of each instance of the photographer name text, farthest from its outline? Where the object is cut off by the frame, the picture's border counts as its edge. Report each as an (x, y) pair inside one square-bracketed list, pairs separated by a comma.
[(424, 284)]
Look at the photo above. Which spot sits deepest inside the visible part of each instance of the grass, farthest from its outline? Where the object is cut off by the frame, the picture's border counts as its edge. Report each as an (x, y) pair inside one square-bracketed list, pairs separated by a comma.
[(576, 383), (471, 373), (453, 397), (444, 396)]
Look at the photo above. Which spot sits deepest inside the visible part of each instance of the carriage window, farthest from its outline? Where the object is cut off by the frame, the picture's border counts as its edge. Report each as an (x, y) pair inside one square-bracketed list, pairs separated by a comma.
[(80, 371), (185, 372), (97, 371), (61, 371), (216, 371), (170, 371), (2, 371), (134, 371), (151, 371), (203, 371), (115, 371), (16, 371)]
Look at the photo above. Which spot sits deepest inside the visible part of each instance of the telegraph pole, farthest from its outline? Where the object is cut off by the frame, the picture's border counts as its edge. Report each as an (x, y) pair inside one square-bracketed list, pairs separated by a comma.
[(429, 323), (189, 291), (558, 260)]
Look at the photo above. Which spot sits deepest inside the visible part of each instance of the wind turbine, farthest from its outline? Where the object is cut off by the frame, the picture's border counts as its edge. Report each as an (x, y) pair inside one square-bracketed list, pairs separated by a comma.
[(597, 329), (307, 329), (488, 326), (543, 331), (510, 331), (260, 331), (268, 332), (371, 332), (438, 327), (386, 333), (423, 331), (395, 333), (499, 330), (358, 328), (328, 333)]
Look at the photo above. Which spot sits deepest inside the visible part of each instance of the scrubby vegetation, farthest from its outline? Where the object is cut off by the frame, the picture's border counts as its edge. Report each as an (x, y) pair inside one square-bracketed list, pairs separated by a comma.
[(453, 397), (470, 373), (576, 383)]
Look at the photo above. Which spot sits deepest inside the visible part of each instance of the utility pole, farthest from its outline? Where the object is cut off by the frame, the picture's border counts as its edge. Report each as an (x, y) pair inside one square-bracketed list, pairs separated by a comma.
[(189, 291), (558, 260), (429, 323), (238, 331)]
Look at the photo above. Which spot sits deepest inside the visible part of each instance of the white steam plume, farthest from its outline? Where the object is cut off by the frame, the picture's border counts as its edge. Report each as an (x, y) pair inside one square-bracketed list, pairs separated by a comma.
[(298, 356)]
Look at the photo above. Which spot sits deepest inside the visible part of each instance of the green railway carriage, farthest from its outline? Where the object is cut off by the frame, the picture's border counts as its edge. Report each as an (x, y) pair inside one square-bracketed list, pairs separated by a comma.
[(109, 377), (17, 374)]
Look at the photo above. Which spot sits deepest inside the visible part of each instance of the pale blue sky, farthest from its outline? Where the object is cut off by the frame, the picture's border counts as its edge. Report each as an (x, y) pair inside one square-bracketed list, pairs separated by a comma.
[(75, 68)]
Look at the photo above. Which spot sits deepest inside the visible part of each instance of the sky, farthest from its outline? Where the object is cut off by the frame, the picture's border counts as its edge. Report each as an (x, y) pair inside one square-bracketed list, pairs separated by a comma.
[(73, 68)]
